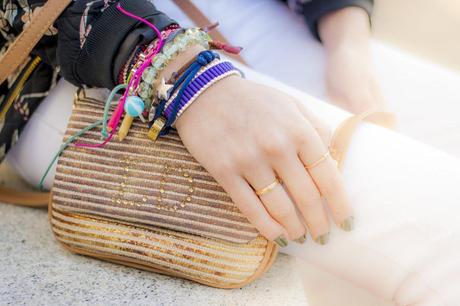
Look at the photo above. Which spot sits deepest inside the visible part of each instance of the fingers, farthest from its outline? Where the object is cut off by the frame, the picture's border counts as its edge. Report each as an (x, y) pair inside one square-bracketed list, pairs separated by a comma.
[(306, 196), (276, 201), (249, 204), (326, 176)]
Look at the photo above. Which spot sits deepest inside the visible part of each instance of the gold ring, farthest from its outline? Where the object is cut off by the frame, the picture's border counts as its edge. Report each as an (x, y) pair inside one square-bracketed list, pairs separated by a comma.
[(319, 161), (268, 188)]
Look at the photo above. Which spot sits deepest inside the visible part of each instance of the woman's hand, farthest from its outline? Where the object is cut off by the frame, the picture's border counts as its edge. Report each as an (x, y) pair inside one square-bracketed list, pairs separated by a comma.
[(246, 135), (350, 79)]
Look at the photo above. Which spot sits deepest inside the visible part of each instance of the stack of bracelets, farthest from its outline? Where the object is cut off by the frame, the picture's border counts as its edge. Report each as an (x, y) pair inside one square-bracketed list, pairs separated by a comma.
[(163, 102), (146, 95)]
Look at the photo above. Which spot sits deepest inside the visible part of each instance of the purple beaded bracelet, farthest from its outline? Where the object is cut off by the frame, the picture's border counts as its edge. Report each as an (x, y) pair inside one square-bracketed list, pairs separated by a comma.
[(200, 84)]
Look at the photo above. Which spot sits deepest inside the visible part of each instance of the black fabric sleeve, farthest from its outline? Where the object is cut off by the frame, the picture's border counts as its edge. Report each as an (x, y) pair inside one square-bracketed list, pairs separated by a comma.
[(313, 10), (95, 39), (88, 45)]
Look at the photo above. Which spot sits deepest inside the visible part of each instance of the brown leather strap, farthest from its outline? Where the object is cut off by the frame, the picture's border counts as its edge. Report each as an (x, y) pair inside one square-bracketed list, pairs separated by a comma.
[(18, 52), (200, 19)]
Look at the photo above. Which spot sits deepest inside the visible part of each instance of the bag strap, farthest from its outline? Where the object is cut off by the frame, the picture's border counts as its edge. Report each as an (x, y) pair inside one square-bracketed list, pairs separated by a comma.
[(16, 55), (200, 19), (343, 134), (18, 52), (24, 198)]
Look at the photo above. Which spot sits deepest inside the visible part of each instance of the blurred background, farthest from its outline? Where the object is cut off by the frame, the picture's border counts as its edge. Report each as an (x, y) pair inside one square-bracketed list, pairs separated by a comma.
[(428, 28)]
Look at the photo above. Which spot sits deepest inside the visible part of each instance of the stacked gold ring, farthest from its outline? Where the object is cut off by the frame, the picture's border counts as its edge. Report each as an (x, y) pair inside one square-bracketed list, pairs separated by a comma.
[(268, 188), (319, 161), (277, 181)]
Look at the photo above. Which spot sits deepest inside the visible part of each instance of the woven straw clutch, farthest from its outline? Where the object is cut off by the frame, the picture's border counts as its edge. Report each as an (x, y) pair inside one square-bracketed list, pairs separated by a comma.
[(151, 206)]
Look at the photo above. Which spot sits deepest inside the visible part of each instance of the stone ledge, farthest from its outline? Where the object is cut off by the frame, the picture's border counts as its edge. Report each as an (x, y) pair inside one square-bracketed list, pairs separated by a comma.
[(37, 270)]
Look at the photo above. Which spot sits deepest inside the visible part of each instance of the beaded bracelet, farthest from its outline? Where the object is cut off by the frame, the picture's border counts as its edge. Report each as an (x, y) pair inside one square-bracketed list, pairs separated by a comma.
[(142, 51), (150, 77), (123, 76)]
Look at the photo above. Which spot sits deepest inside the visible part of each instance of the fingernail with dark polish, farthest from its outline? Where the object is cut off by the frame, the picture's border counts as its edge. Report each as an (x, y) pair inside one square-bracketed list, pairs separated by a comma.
[(349, 224), (281, 241), (301, 239), (323, 239)]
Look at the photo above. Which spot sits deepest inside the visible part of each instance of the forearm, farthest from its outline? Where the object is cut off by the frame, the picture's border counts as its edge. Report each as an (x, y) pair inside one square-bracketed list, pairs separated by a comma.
[(348, 27), (350, 78)]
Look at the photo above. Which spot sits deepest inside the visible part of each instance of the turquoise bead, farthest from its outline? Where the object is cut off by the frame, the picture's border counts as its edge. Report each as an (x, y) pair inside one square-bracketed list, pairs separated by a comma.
[(134, 106)]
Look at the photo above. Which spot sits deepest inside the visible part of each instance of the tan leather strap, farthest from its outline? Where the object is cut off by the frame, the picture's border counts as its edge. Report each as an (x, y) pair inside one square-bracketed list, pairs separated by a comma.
[(343, 134), (200, 19), (29, 198), (18, 52), (16, 55)]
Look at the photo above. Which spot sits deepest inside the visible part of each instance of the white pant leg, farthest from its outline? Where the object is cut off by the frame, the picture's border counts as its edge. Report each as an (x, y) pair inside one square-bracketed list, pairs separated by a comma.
[(404, 195), (406, 244)]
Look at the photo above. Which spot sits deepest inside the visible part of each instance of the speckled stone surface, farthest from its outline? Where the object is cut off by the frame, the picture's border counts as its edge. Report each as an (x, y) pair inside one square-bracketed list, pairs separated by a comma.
[(36, 270)]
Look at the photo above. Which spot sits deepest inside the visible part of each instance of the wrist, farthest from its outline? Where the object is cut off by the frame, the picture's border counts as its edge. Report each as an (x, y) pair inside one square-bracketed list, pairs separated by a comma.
[(212, 95), (345, 29)]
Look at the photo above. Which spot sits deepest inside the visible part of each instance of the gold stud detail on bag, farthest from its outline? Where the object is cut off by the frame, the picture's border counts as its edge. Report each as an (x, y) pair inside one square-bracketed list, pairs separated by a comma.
[(160, 200)]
